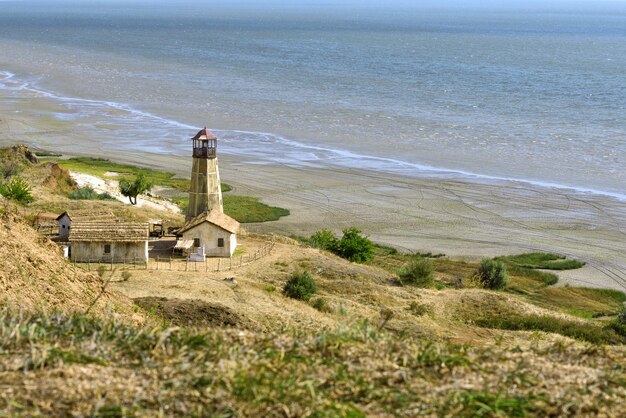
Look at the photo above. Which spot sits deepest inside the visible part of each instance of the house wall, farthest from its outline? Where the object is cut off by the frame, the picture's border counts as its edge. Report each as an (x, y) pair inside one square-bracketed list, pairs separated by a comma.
[(64, 227), (208, 235), (94, 251)]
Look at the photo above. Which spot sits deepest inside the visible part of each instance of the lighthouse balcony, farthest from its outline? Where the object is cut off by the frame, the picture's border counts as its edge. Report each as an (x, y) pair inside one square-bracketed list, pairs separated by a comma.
[(204, 152)]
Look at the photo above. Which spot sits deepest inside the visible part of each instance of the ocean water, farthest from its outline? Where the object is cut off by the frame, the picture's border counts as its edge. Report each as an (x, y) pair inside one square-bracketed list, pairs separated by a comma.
[(537, 95)]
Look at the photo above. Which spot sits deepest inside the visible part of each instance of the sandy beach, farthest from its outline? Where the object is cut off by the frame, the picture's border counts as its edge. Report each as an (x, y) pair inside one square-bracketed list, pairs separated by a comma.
[(459, 218)]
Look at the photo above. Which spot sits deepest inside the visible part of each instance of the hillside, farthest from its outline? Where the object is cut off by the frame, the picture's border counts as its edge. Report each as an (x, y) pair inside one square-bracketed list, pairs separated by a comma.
[(231, 343), (36, 277)]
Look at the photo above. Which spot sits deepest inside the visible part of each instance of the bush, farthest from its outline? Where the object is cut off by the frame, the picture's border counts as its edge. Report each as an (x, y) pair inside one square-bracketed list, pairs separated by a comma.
[(321, 305), (418, 272), (492, 274), (324, 240), (300, 286), (87, 193), (355, 247), (17, 189)]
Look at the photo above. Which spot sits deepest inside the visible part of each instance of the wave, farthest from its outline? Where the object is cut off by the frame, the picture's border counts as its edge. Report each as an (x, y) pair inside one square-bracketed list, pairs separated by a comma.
[(257, 147)]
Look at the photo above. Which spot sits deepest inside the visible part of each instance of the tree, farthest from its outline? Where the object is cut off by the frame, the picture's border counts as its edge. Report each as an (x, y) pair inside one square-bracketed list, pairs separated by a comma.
[(131, 189), (17, 189), (354, 246)]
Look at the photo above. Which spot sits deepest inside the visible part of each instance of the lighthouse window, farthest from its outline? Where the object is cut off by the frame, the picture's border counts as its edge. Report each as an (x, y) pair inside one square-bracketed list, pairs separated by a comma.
[(220, 242)]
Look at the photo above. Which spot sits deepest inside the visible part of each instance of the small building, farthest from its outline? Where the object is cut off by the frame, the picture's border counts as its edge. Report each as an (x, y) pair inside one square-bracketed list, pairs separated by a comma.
[(214, 231), (108, 241), (66, 219)]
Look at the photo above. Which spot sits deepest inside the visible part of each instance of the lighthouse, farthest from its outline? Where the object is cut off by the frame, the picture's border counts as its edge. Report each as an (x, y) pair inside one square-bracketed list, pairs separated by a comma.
[(206, 193)]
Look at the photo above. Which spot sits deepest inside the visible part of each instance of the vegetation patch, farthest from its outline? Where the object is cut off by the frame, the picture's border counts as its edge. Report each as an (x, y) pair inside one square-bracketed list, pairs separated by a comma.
[(88, 193), (580, 331), (246, 209), (545, 261)]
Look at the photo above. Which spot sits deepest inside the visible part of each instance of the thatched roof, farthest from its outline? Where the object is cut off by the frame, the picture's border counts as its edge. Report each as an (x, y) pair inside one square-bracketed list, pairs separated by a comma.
[(214, 217), (108, 231), (88, 215)]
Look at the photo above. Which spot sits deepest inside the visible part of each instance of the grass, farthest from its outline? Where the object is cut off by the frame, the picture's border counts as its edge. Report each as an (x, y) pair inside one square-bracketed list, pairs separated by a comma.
[(100, 166), (354, 370), (545, 261), (581, 331), (247, 209)]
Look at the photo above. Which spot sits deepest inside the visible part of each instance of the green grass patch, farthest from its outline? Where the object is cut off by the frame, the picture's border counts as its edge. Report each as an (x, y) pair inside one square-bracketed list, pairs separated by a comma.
[(247, 209), (580, 331), (545, 261)]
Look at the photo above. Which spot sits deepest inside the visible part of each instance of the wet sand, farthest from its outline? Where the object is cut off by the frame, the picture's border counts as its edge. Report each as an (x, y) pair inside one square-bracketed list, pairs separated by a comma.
[(459, 218)]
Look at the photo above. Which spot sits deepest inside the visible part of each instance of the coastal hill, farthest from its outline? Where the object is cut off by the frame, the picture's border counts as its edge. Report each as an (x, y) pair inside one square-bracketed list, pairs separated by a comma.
[(367, 343)]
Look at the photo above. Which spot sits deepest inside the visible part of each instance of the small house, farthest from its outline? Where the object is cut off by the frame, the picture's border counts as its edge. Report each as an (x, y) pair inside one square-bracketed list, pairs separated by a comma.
[(66, 218), (214, 231), (109, 241)]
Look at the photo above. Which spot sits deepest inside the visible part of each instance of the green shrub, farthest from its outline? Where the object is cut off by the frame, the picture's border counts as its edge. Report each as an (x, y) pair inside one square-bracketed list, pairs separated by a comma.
[(17, 189), (419, 272), (324, 240), (321, 305), (355, 247), (492, 274), (300, 286)]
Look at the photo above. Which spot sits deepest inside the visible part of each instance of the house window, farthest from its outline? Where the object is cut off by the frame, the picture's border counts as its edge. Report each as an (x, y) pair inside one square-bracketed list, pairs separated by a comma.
[(220, 242), (63, 226), (107, 248), (196, 242)]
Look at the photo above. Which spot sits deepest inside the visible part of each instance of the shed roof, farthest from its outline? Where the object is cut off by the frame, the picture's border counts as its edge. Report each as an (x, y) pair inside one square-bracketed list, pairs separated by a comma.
[(203, 134), (214, 217), (108, 231), (88, 215)]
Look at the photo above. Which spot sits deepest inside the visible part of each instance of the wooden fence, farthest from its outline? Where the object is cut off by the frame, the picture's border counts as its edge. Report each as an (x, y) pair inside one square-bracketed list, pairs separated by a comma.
[(178, 264)]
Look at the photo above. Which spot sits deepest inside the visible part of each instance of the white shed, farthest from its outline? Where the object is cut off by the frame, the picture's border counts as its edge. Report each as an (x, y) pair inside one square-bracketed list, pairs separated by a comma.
[(109, 241), (215, 231)]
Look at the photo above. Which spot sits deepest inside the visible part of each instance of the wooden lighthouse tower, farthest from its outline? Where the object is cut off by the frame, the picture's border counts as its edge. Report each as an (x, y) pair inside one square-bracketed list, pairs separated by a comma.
[(206, 193)]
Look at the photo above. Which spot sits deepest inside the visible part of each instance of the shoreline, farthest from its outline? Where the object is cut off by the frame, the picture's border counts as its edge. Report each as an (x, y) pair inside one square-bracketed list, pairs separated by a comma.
[(347, 159)]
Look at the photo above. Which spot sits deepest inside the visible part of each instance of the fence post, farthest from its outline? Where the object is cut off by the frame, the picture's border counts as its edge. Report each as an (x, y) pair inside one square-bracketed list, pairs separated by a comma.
[(206, 265), (219, 261), (111, 263), (170, 263), (157, 261), (89, 264), (135, 263), (230, 263), (186, 263), (124, 263)]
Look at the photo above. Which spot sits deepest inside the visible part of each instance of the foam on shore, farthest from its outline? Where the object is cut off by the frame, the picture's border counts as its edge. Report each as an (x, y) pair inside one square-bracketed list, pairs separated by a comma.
[(161, 135)]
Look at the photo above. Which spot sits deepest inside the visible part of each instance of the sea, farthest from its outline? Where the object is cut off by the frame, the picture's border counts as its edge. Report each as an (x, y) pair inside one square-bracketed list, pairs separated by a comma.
[(481, 91)]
